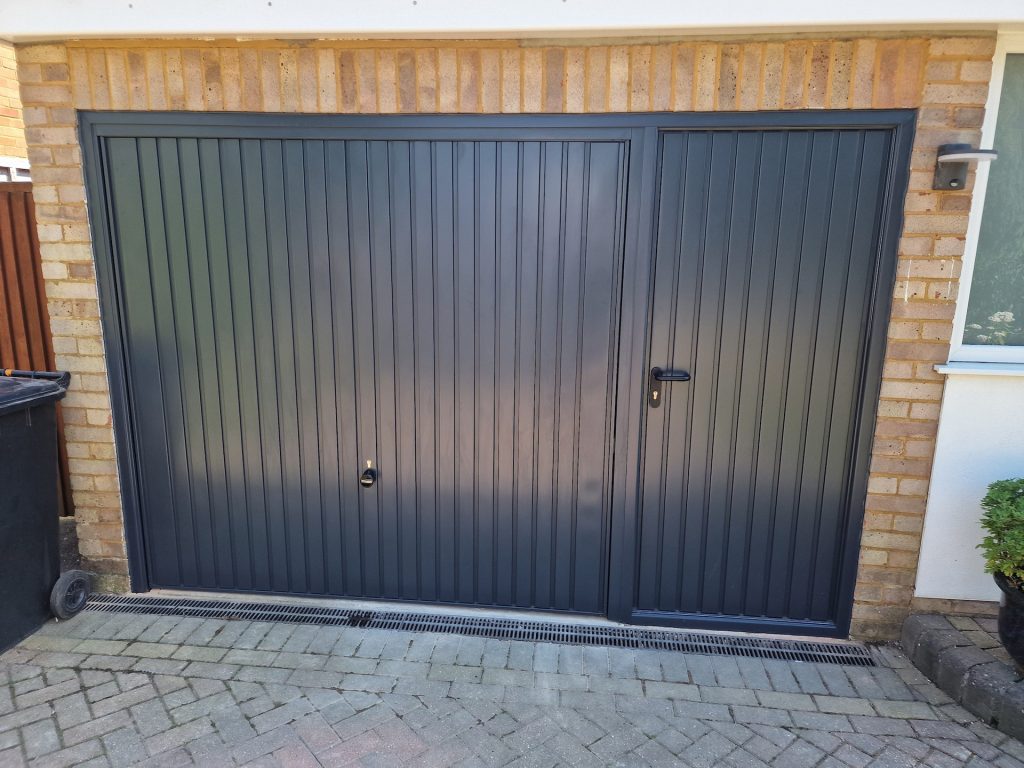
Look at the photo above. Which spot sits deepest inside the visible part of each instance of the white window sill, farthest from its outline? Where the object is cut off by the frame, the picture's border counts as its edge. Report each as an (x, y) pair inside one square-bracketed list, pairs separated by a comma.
[(981, 369)]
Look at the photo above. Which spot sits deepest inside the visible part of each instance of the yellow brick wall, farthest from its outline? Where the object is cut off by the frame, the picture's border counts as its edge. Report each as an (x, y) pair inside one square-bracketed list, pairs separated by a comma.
[(12, 129), (946, 78)]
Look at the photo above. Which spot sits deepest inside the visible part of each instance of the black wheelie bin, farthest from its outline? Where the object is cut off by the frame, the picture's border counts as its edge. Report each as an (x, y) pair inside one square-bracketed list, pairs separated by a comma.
[(31, 585)]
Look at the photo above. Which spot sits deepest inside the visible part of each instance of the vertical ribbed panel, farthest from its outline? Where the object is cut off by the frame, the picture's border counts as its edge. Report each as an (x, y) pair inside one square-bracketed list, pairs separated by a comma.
[(767, 243), (446, 310)]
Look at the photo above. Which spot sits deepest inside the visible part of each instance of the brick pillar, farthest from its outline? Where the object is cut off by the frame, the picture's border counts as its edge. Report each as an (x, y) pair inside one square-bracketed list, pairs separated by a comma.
[(955, 88), (66, 249)]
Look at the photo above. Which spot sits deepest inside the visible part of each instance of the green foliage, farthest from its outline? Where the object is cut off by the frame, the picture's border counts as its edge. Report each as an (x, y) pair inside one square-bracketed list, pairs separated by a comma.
[(1003, 522)]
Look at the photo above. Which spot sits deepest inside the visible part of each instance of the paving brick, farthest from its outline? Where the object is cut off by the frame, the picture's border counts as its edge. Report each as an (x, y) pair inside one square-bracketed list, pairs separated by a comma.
[(150, 650), (790, 701), (708, 749), (799, 754), (821, 721), (40, 738), (24, 716), (904, 709), (180, 630), (198, 653), (120, 701), (372, 682), (253, 635), (864, 683), (263, 674), (281, 715), (71, 710), (107, 662), (761, 715), (726, 671), (836, 681), (134, 629), (159, 666), (754, 674), (250, 657), (808, 679), (359, 666), (179, 736), (372, 644), (681, 691), (150, 717), (207, 669), (315, 677), (422, 647), (96, 727), (202, 707), (560, 681), (47, 693), (701, 710), (843, 705), (158, 629), (229, 634), (123, 747), (76, 755), (545, 657), (880, 726)]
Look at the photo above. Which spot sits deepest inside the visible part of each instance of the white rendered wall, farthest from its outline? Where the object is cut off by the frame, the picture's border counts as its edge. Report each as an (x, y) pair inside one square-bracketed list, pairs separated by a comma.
[(54, 19), (980, 440)]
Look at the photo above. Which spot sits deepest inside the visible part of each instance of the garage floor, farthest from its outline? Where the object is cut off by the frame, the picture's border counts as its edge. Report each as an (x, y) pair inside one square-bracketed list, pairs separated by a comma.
[(123, 689)]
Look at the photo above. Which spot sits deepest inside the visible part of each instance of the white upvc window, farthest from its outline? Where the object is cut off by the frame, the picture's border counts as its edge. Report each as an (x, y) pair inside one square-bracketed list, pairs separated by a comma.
[(989, 322)]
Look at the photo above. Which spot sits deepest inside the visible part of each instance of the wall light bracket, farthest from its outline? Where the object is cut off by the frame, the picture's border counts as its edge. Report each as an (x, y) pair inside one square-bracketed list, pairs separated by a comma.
[(952, 161)]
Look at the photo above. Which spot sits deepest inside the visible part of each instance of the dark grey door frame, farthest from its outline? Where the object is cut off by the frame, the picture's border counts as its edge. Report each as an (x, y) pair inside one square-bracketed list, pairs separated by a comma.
[(641, 134)]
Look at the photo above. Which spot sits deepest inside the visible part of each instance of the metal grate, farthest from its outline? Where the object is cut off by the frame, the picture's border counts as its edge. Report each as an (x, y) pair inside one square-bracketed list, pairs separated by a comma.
[(850, 654)]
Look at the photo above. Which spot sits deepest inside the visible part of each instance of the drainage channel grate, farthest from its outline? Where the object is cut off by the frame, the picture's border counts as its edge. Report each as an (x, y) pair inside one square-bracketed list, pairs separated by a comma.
[(850, 654)]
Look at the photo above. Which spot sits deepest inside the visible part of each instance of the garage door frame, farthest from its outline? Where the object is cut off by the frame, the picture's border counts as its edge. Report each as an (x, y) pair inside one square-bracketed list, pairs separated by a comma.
[(641, 133)]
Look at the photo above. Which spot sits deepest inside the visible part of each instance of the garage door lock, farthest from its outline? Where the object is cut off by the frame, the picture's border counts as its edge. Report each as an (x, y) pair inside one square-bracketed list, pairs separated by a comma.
[(368, 477)]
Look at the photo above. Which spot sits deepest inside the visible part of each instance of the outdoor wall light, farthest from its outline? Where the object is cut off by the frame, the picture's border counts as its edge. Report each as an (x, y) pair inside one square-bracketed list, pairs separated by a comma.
[(951, 164)]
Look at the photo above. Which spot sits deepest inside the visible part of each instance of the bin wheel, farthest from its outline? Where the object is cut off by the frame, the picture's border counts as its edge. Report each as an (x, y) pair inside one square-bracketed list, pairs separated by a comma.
[(68, 596)]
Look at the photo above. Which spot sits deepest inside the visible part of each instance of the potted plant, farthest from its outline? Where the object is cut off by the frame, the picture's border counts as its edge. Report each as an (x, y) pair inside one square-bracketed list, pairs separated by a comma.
[(1003, 545)]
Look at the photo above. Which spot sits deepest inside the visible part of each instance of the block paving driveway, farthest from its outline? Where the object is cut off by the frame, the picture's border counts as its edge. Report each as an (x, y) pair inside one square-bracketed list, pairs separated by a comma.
[(113, 689)]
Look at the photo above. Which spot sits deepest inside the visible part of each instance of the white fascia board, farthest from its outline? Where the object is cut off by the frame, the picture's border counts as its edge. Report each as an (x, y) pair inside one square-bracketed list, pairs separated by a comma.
[(25, 20)]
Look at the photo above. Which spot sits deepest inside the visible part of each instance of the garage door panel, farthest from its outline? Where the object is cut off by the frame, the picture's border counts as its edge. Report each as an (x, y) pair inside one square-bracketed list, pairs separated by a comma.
[(766, 259), (297, 308)]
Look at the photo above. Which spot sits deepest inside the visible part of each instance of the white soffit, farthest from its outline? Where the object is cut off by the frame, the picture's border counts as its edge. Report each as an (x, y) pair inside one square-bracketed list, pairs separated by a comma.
[(23, 20)]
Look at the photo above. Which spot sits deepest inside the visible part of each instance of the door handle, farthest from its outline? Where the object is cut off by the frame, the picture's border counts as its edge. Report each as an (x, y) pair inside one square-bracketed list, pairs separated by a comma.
[(655, 380)]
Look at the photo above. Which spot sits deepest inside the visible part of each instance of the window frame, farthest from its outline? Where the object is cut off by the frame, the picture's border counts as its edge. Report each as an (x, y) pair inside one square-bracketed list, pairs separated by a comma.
[(1006, 43)]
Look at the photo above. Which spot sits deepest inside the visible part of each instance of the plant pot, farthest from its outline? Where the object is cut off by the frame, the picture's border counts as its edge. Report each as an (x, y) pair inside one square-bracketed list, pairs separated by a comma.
[(1011, 619)]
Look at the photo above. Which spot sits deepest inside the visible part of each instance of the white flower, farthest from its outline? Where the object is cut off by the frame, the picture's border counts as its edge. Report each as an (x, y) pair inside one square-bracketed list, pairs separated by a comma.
[(974, 327), (982, 338), (1002, 317)]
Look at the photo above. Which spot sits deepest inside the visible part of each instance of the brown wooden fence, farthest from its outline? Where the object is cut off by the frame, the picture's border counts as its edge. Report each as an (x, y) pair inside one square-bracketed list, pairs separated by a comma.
[(25, 340)]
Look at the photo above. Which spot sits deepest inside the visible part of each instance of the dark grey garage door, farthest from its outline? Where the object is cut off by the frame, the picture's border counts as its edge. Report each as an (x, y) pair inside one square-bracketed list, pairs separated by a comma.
[(442, 312), (472, 308)]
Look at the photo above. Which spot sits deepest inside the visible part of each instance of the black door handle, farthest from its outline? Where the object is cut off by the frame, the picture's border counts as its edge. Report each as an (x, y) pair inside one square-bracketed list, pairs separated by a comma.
[(655, 380)]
